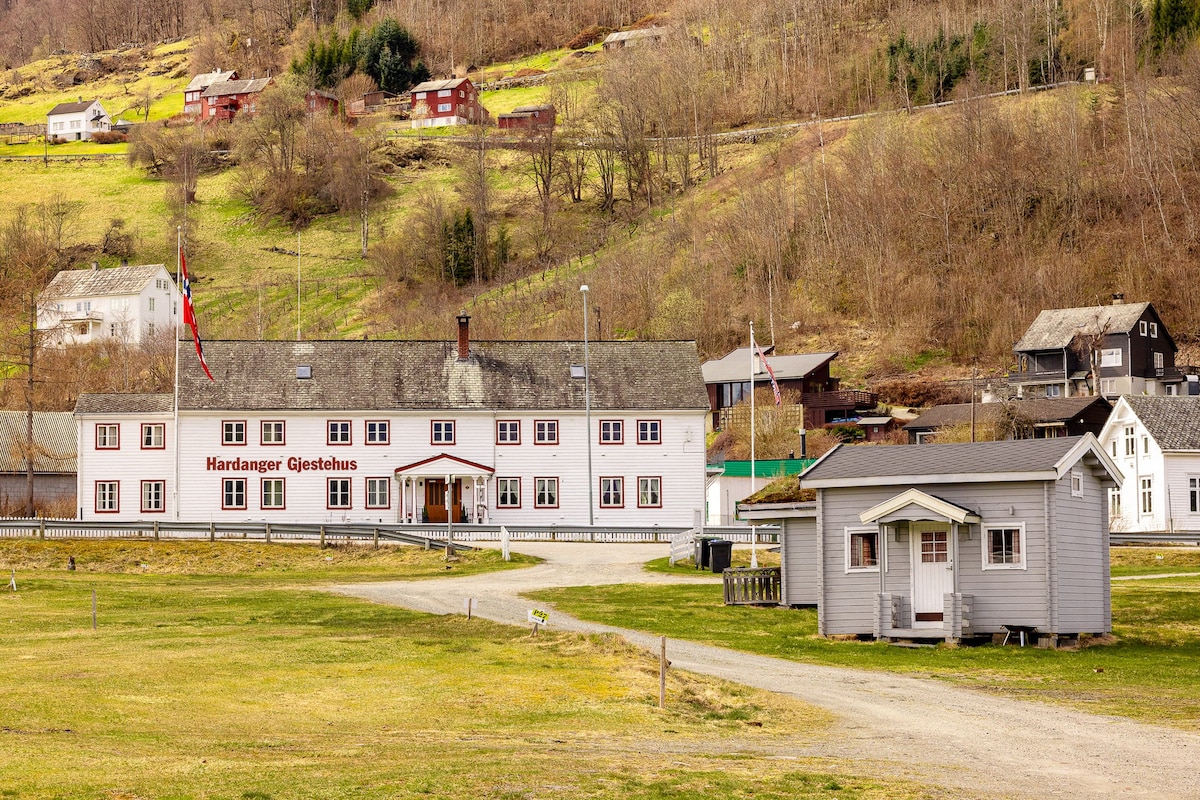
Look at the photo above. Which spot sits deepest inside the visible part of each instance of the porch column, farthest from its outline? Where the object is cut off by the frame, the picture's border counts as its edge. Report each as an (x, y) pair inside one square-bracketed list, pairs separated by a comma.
[(400, 502)]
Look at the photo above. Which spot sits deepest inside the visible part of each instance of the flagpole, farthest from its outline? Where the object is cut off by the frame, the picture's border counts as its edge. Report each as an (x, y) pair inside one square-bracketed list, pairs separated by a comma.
[(753, 488), (175, 404)]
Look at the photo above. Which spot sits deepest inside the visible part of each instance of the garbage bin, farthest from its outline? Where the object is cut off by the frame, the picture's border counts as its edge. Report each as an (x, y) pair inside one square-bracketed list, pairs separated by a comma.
[(701, 556), (720, 553)]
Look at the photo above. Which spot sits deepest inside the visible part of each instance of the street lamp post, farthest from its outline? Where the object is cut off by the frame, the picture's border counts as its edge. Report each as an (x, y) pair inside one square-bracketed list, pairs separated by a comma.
[(587, 403)]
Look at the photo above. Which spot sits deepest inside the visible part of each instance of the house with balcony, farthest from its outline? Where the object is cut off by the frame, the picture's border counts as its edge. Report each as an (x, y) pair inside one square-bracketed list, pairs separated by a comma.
[(223, 101), (192, 104), (810, 393), (1118, 349), (80, 306)]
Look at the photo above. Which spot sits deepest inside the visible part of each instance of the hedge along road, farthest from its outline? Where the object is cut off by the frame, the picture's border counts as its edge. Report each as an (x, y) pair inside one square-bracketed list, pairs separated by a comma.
[(969, 742)]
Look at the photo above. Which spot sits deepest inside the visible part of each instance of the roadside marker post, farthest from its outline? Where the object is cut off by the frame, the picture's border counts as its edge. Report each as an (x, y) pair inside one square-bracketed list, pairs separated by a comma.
[(468, 603), (13, 583), (538, 618), (93, 609)]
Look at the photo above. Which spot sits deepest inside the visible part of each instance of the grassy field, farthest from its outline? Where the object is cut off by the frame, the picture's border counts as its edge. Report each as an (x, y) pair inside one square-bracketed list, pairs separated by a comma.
[(1151, 671), (225, 672)]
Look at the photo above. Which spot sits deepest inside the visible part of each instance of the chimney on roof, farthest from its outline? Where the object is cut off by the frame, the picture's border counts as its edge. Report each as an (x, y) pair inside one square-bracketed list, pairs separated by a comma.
[(1118, 298), (464, 336), (95, 265)]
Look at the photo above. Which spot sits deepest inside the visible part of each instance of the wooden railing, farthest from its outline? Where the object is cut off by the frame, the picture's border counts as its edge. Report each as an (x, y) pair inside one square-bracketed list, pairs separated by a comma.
[(746, 586)]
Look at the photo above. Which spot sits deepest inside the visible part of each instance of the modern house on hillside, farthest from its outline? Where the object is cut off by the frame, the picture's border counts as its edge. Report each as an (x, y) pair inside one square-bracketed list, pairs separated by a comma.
[(1156, 443), (804, 378), (449, 102), (128, 303), (1122, 348), (77, 121), (192, 104), (953, 541), (1022, 419), (406, 432), (53, 454)]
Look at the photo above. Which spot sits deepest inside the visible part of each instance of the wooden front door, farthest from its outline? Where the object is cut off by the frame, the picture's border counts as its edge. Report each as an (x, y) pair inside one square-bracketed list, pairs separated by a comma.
[(435, 500), (933, 574)]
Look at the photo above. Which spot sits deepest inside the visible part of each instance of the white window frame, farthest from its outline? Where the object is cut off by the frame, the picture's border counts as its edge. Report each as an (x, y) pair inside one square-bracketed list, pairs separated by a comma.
[(649, 431), (612, 431), (650, 492), (444, 107), (233, 432), (441, 431), (1110, 357), (1193, 494), (276, 483), (1159, 360), (545, 431), (851, 534), (108, 497), (546, 488), (230, 492), (108, 436), (378, 431), (278, 432), (1076, 483), (154, 435), (337, 431), (612, 487), (343, 490), (1153, 330), (986, 545), (1114, 504), (1130, 441), (152, 502), (1053, 390), (508, 431), (1146, 496), (379, 488), (1108, 386)]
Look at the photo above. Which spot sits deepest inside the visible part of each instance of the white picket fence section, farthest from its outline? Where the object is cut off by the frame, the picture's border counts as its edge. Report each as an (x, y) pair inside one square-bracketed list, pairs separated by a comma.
[(683, 545)]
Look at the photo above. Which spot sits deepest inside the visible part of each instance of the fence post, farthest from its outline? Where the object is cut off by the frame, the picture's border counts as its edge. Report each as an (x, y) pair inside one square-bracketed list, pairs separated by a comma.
[(212, 531), (42, 528), (322, 537), (268, 533), (156, 530), (375, 539)]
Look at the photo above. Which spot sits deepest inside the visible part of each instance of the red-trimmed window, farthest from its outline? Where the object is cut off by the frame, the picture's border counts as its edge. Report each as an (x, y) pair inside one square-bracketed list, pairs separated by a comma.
[(233, 432), (273, 497), (508, 431), (338, 494), (154, 436), (108, 436), (508, 492), (153, 497), (612, 431), (545, 431), (108, 497), (233, 493), (379, 492), (546, 494), (273, 431), (338, 431), (649, 431), (612, 492), (378, 431), (441, 431), (650, 492)]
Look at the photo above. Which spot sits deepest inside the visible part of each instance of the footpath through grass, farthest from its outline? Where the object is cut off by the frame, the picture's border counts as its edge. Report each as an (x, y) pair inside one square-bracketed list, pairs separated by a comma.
[(225, 671), (1151, 671)]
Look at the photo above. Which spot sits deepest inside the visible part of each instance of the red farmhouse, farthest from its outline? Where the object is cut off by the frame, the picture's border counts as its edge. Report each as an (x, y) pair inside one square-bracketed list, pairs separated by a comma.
[(452, 102), (222, 101), (533, 118)]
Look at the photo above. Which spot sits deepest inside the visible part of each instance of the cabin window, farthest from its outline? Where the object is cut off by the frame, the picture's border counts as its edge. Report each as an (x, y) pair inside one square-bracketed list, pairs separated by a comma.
[(1004, 546), (272, 493), (1143, 327), (1153, 330), (1110, 357), (1076, 483), (508, 431), (442, 431), (153, 435), (108, 437), (233, 432), (1054, 390), (1114, 504), (612, 431), (1130, 442), (1158, 361), (444, 107), (545, 431), (444, 92), (338, 432), (649, 431), (1108, 386), (508, 492), (1147, 495), (378, 432), (862, 550)]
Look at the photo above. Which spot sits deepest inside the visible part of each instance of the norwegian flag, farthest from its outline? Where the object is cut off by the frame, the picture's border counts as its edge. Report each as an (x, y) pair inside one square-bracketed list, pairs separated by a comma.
[(770, 372), (189, 313)]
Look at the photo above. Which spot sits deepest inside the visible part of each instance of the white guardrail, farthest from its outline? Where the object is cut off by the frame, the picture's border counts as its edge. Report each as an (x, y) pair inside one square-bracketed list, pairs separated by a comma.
[(426, 534)]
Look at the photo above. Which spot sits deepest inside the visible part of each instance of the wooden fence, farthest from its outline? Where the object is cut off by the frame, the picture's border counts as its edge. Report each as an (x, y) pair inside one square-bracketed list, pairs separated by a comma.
[(745, 586)]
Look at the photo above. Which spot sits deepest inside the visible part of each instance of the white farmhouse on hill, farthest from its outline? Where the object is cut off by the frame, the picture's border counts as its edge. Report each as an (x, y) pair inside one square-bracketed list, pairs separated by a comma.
[(129, 303), (77, 121)]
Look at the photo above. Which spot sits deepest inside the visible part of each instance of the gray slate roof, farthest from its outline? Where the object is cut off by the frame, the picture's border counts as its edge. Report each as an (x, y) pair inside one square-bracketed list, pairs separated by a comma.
[(124, 403), (1056, 328), (383, 375), (1036, 411), (236, 87), (908, 463), (206, 79), (734, 367), (637, 33), (53, 438), (436, 86), (70, 108), (1174, 422), (99, 282)]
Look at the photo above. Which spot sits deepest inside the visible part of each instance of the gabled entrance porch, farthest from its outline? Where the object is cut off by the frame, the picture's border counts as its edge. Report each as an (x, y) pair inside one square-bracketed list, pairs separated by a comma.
[(444, 488)]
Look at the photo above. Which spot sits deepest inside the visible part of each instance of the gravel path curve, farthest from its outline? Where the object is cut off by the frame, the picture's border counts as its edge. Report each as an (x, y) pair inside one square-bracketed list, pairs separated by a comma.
[(970, 742)]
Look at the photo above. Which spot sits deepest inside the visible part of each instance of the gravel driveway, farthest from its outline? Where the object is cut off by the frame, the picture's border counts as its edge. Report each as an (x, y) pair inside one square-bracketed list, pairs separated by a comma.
[(969, 742)]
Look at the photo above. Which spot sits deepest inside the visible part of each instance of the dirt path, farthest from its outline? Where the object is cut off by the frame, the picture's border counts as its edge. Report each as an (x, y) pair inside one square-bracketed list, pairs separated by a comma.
[(970, 742)]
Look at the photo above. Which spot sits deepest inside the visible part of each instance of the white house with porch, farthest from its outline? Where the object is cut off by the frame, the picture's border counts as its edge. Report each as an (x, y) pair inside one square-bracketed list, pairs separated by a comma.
[(77, 121), (127, 303), (407, 432)]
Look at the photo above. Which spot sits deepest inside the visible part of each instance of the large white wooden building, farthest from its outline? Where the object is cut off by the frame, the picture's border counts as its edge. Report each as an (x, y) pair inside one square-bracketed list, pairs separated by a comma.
[(406, 431), (130, 303)]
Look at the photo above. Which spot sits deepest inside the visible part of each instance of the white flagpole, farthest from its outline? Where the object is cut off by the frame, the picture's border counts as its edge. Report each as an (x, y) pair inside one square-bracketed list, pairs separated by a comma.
[(175, 404), (753, 488)]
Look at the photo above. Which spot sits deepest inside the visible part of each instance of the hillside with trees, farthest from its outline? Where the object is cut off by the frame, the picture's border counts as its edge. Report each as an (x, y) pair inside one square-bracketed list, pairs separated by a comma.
[(694, 185)]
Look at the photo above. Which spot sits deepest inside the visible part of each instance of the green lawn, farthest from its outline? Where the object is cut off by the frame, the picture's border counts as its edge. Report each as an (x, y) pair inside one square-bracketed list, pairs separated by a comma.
[(255, 684), (1151, 671)]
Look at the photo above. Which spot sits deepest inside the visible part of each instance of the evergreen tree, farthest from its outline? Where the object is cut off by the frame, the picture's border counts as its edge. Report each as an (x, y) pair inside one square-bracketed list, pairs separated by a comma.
[(389, 54)]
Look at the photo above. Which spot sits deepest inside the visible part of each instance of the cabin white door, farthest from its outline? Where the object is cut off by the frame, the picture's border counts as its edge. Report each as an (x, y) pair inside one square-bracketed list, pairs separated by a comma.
[(932, 574)]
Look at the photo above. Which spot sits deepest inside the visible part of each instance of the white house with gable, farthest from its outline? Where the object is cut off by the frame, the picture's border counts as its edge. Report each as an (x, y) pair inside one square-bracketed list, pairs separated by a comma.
[(127, 303), (77, 121), (410, 432), (1155, 440)]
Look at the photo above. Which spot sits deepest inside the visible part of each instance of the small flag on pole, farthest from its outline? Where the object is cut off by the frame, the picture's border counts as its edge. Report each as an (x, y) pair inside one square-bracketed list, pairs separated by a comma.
[(189, 313), (770, 372)]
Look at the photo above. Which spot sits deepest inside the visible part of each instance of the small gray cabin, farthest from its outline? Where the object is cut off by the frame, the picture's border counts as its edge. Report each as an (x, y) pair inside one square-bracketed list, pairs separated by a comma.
[(953, 541)]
